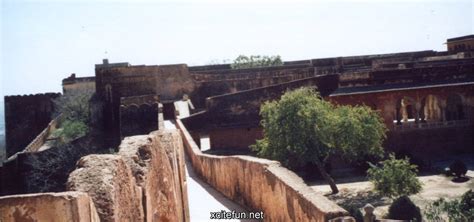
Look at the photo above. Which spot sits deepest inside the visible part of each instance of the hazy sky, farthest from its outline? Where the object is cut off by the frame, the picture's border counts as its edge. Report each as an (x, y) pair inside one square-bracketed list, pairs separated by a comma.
[(42, 42)]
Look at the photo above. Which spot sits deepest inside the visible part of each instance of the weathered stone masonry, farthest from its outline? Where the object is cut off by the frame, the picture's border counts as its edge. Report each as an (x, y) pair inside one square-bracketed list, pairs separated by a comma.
[(261, 185)]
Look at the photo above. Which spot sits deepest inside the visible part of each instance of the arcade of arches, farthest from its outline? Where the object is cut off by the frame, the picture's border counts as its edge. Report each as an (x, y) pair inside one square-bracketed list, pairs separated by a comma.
[(429, 109)]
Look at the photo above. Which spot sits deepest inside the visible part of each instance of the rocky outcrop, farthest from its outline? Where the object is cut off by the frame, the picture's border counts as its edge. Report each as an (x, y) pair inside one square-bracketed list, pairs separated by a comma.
[(65, 206), (109, 182)]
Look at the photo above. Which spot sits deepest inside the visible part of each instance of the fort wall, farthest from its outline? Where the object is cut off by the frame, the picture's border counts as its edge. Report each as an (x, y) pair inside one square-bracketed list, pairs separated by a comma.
[(139, 115), (232, 120), (78, 84), (40, 140), (145, 181), (45, 170), (113, 83), (418, 134), (261, 185), (54, 207), (25, 117)]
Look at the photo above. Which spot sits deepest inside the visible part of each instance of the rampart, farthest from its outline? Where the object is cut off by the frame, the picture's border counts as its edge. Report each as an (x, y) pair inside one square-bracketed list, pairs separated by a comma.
[(40, 140), (232, 120), (139, 115), (26, 117), (145, 181), (53, 207), (78, 84), (45, 170), (261, 185)]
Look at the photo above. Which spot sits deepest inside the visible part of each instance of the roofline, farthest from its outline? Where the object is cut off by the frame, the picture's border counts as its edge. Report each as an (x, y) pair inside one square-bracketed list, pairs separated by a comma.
[(403, 88), (460, 38)]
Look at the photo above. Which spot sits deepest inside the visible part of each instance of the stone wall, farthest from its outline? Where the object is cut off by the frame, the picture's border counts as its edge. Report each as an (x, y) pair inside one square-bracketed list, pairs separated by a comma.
[(233, 121), (53, 207), (25, 117), (78, 84), (145, 181), (241, 109), (39, 141), (234, 139), (46, 170), (139, 115), (261, 185), (109, 182), (170, 82), (219, 82)]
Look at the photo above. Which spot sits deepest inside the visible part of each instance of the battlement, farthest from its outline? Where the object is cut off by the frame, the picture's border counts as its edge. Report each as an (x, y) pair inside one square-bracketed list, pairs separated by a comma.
[(21, 98)]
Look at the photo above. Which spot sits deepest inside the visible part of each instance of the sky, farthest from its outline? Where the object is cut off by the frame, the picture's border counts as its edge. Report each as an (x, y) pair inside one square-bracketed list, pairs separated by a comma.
[(43, 42)]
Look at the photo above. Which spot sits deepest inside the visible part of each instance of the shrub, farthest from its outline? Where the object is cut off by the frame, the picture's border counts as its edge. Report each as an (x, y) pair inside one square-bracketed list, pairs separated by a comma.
[(404, 209), (458, 168), (243, 62), (71, 130), (395, 178), (355, 212), (456, 210), (467, 205)]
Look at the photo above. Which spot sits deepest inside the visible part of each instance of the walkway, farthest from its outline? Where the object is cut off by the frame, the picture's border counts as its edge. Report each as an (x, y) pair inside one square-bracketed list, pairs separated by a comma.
[(203, 198)]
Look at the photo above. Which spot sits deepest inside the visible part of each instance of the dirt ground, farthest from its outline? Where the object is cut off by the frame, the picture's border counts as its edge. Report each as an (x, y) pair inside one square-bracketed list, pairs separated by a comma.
[(358, 191)]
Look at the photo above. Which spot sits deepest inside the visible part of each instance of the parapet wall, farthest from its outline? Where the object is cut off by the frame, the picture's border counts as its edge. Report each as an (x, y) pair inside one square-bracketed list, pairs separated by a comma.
[(260, 184), (39, 141), (241, 109), (53, 207), (25, 117), (145, 181)]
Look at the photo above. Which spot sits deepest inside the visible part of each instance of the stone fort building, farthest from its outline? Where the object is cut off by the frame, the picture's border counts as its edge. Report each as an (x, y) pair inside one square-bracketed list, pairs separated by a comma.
[(426, 98)]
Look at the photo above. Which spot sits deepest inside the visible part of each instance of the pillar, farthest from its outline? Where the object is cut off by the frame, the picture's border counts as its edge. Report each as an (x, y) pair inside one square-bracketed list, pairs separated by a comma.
[(369, 213)]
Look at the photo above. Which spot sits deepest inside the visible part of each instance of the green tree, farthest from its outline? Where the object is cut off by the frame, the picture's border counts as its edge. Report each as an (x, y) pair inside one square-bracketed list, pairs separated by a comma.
[(301, 127), (395, 177), (243, 62), (74, 108)]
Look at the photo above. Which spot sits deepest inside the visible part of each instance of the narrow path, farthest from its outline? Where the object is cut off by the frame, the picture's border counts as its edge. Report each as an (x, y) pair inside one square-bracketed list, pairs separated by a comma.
[(204, 199)]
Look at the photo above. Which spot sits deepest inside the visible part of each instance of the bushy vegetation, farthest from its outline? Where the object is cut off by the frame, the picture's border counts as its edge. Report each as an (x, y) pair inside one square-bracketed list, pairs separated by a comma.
[(47, 171), (456, 210), (355, 213), (70, 130), (302, 128), (404, 209), (243, 62), (458, 168), (74, 108), (394, 177)]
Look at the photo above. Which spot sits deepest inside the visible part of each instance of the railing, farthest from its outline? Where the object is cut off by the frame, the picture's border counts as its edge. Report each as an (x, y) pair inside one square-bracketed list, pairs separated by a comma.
[(43, 136), (432, 125)]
